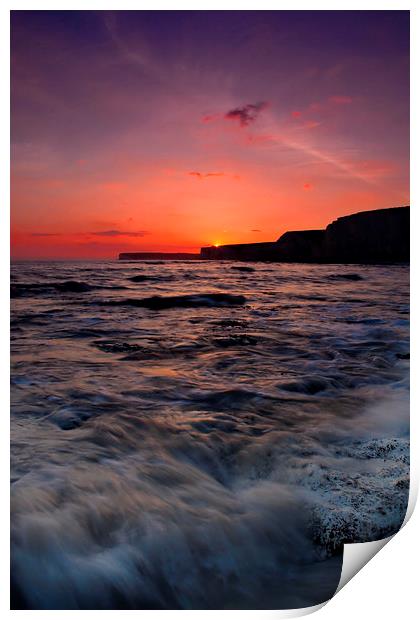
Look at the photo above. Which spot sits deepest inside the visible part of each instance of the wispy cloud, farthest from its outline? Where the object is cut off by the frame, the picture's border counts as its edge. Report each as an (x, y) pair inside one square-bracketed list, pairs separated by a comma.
[(119, 233), (96, 233), (203, 175), (246, 114), (351, 169), (139, 56), (208, 118)]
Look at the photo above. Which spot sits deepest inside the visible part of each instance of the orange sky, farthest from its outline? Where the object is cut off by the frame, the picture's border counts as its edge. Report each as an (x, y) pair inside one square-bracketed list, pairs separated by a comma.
[(127, 138)]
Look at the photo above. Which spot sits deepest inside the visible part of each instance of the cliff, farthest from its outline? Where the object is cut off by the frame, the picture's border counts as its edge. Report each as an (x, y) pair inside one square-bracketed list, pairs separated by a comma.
[(380, 236), (301, 246), (241, 251), (369, 237)]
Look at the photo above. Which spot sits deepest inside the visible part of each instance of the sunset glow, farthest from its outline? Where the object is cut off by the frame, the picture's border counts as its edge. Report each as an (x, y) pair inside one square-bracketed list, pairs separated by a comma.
[(164, 132)]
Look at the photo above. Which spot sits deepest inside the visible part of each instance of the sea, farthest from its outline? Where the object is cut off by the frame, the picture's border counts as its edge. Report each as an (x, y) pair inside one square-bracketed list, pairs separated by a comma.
[(203, 435)]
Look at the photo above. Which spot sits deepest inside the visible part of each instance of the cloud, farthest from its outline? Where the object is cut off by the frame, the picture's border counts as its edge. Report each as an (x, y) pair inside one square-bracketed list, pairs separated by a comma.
[(119, 233), (208, 118), (139, 56), (96, 233), (256, 230), (311, 124), (260, 138), (320, 109), (203, 175), (246, 114)]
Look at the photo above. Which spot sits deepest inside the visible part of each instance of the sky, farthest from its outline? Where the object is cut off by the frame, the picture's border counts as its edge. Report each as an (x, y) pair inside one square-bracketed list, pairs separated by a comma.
[(172, 130)]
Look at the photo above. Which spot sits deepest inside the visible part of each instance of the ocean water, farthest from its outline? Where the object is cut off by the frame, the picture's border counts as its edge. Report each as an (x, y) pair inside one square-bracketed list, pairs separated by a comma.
[(210, 448)]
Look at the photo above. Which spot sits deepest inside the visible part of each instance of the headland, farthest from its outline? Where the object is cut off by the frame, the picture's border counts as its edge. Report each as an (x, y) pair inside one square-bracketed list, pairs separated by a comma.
[(379, 236)]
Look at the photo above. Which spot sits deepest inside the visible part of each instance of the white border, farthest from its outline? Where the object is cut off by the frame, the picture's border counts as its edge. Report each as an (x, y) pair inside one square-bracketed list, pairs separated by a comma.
[(397, 566)]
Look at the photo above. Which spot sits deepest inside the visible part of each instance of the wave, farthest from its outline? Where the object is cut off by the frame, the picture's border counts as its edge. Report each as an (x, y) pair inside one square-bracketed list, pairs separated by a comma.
[(216, 457), (68, 286), (157, 302), (203, 516)]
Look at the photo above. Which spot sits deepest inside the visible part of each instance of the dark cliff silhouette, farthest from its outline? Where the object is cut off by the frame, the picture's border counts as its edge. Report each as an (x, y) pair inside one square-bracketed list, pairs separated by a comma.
[(381, 236)]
